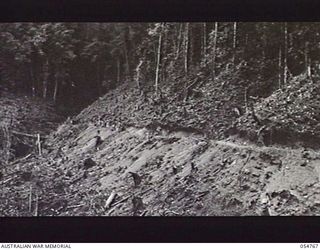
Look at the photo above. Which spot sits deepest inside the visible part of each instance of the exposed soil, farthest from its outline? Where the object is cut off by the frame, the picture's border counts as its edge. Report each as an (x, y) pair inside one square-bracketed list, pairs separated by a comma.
[(132, 155), (181, 174)]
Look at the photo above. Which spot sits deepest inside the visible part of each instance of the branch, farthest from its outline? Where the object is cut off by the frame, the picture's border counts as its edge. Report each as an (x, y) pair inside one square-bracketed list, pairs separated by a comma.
[(7, 180), (75, 206), (30, 199), (24, 134), (20, 159), (117, 203)]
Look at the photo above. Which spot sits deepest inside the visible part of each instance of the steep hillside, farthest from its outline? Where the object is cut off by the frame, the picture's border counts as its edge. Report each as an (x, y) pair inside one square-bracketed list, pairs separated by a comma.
[(217, 118), (206, 108), (181, 174), (127, 154)]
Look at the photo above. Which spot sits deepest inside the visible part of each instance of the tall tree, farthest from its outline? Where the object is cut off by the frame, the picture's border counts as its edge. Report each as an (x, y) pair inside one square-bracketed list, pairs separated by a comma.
[(285, 59), (158, 59), (234, 42), (186, 49), (45, 78), (204, 37), (280, 69), (214, 52)]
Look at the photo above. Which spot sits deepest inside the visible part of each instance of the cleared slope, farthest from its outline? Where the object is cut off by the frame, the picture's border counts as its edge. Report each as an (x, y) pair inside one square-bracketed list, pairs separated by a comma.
[(181, 174), (183, 170)]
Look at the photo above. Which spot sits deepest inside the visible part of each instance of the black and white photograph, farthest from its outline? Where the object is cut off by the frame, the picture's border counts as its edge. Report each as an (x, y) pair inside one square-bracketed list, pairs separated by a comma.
[(164, 119)]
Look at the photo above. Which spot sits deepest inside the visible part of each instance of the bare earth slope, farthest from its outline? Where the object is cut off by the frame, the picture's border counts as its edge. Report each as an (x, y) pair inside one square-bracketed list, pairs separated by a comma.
[(181, 174), (165, 158)]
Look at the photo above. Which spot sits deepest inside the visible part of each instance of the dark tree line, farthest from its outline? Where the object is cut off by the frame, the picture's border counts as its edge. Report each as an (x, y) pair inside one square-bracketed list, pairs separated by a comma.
[(68, 61)]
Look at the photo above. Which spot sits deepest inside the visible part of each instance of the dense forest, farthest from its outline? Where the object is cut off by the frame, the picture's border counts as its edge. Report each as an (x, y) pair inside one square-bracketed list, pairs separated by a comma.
[(64, 62)]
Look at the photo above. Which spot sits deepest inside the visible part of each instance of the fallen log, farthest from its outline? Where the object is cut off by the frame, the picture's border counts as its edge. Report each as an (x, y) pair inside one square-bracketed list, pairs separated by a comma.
[(110, 199), (114, 205), (117, 203)]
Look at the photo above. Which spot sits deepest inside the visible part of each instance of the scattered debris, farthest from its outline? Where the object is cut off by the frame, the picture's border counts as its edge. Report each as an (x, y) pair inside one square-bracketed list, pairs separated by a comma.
[(227, 177)]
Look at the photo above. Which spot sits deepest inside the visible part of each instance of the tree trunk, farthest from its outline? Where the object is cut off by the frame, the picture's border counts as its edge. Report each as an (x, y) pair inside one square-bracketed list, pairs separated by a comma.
[(191, 45), (246, 99), (127, 62), (175, 41), (279, 67), (138, 74), (309, 67), (186, 51), (164, 52), (98, 77), (215, 38), (285, 72), (307, 59), (204, 48), (179, 42), (45, 79), (158, 61), (6, 142), (56, 86), (126, 40), (264, 42), (234, 42), (33, 86), (118, 70)]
